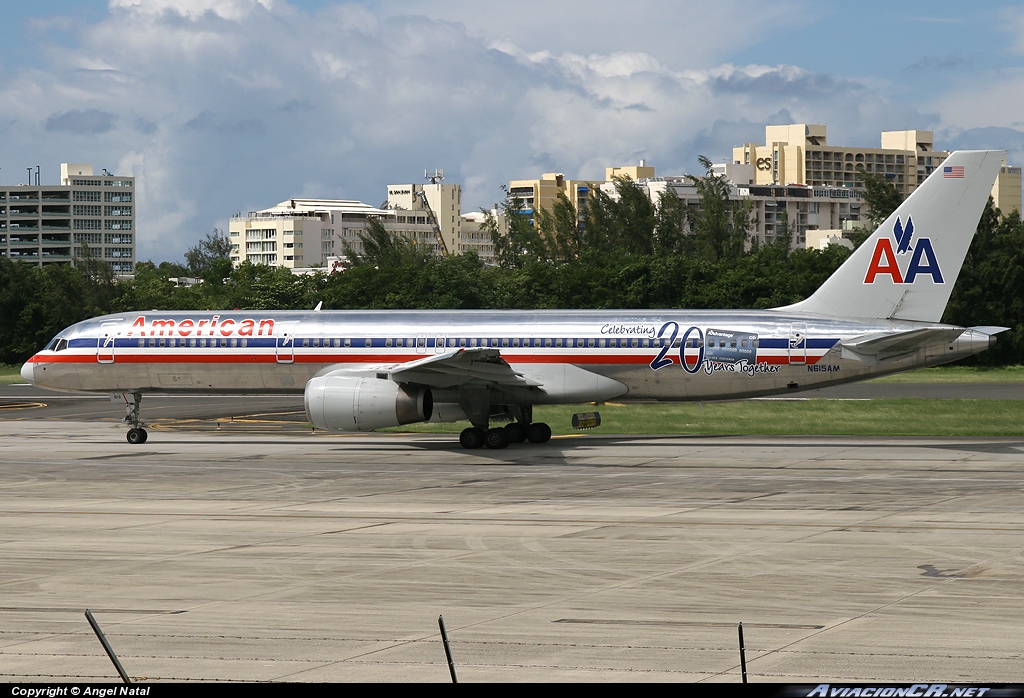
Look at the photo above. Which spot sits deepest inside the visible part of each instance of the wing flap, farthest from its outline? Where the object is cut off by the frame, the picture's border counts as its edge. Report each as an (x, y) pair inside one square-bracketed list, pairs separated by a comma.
[(480, 366)]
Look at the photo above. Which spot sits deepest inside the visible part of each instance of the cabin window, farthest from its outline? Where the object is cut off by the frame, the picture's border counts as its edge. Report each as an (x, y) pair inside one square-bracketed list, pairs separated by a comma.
[(369, 342), (234, 342), (462, 341), (504, 342), (732, 343), (591, 342), (163, 342), (245, 342), (635, 343), (152, 342), (647, 342), (387, 342), (547, 341), (558, 342), (142, 342), (601, 342), (515, 341), (305, 342), (223, 342), (316, 342)]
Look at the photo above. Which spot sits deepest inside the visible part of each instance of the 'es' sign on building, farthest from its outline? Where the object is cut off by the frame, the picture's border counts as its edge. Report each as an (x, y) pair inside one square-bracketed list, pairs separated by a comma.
[(885, 259)]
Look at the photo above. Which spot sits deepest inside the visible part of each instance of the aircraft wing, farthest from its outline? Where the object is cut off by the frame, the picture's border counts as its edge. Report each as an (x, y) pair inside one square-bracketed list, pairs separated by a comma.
[(456, 369), (875, 347)]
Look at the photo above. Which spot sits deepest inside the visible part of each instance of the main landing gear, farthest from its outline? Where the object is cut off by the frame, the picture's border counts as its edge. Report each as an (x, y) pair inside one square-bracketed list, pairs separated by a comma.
[(132, 407), (500, 437)]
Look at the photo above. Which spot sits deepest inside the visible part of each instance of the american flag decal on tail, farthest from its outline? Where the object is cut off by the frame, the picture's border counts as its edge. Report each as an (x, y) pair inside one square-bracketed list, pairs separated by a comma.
[(953, 172)]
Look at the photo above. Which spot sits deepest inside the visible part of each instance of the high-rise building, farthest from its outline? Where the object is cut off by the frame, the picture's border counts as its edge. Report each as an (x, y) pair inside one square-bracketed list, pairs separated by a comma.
[(85, 216), (801, 154)]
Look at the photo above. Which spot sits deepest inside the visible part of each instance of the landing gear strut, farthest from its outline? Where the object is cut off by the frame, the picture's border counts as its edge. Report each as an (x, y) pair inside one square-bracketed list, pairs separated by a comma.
[(132, 407)]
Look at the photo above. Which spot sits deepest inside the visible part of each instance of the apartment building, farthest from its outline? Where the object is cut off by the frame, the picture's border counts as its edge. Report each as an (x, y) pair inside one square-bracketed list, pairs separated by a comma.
[(86, 215), (537, 194), (300, 233)]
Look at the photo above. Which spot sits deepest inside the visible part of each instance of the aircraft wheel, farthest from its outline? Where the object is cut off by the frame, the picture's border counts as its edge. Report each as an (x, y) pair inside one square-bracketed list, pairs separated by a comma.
[(136, 436), (472, 438), (516, 432), (496, 438), (538, 433)]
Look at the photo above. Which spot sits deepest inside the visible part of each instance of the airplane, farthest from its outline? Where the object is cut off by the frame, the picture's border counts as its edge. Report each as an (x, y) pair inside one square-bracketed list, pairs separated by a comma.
[(364, 370)]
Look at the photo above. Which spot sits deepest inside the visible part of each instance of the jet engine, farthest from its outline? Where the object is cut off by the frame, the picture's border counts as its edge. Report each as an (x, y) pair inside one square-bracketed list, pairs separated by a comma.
[(352, 403)]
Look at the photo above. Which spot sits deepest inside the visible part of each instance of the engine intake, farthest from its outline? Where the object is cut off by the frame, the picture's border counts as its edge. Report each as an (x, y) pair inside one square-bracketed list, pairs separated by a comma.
[(347, 403)]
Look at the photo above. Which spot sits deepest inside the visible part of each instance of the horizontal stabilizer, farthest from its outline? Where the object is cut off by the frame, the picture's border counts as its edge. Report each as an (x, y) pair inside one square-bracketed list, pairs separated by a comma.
[(989, 329), (875, 347)]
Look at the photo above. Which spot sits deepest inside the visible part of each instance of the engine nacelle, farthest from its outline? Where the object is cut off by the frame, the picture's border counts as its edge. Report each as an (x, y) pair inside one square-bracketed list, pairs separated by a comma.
[(350, 403)]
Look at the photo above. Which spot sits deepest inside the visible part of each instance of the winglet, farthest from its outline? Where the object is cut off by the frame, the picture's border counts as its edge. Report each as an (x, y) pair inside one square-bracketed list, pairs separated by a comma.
[(907, 268)]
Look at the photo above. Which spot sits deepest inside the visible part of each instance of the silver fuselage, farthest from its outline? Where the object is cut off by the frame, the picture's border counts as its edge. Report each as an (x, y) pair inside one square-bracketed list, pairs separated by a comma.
[(667, 355)]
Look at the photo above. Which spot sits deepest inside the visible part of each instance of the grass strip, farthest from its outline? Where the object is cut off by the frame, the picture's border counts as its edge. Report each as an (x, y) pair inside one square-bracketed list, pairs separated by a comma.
[(886, 417), (958, 374), (10, 373)]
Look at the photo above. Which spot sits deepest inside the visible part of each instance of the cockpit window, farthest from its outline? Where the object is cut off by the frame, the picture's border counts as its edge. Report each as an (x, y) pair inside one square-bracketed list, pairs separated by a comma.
[(57, 344)]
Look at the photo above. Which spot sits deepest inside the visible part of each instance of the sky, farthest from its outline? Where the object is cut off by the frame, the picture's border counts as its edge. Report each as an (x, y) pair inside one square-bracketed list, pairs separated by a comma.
[(220, 107)]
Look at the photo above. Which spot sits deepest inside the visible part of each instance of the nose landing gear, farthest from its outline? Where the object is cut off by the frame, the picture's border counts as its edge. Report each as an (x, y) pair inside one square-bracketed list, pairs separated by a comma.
[(132, 407)]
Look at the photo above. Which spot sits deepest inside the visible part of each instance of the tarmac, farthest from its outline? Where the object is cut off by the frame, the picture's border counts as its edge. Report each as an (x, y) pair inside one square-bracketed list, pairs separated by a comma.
[(251, 549)]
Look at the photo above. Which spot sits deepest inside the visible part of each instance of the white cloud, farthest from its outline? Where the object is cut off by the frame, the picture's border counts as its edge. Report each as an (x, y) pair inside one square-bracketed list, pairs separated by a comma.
[(684, 32), (225, 106), (228, 9)]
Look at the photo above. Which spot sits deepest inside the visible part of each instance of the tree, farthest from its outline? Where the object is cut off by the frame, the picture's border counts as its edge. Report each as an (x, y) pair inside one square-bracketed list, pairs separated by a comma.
[(990, 288), (671, 228), (210, 258), (520, 240), (719, 225), (881, 196), (383, 249), (624, 223), (560, 228)]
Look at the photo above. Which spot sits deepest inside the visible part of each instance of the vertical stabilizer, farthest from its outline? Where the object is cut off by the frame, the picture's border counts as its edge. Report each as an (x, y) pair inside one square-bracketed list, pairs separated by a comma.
[(907, 268)]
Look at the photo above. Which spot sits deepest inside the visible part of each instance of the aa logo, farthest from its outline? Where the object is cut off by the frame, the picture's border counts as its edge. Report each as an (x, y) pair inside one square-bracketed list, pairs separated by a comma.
[(885, 262)]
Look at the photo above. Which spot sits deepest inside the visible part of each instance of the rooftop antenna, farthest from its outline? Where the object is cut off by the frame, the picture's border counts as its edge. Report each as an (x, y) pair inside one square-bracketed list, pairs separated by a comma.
[(434, 178), (37, 175)]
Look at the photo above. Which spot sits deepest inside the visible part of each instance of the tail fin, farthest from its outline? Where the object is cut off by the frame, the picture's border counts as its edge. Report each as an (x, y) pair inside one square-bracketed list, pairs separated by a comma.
[(907, 268)]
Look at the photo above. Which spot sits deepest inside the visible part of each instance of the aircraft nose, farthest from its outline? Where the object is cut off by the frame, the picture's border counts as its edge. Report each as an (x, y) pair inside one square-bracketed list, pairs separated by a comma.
[(28, 372)]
